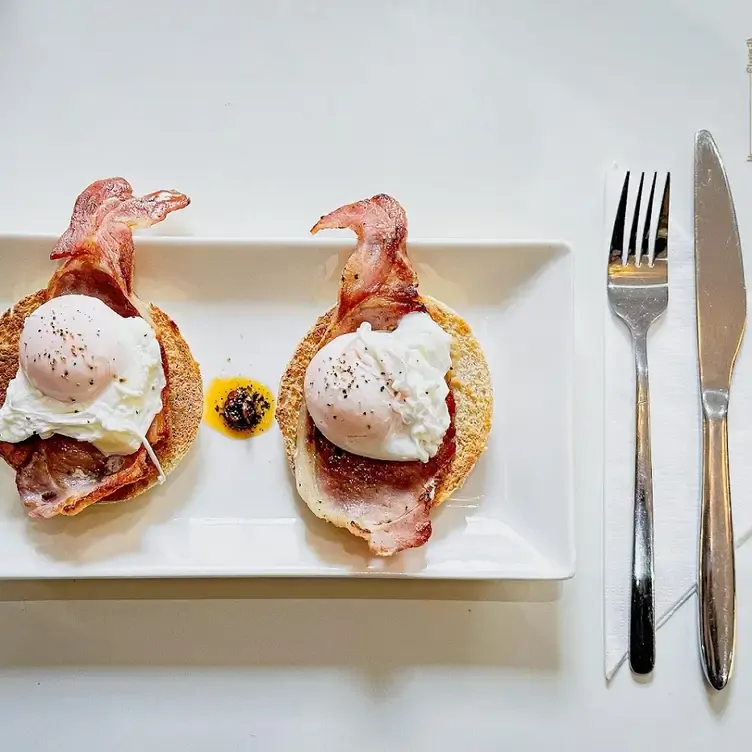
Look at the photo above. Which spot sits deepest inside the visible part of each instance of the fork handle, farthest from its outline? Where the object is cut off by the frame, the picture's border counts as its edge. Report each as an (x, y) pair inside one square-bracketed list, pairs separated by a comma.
[(642, 612), (716, 577)]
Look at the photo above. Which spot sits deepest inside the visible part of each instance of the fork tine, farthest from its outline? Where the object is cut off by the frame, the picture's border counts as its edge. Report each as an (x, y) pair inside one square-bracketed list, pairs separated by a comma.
[(645, 248), (632, 248), (617, 237), (661, 233)]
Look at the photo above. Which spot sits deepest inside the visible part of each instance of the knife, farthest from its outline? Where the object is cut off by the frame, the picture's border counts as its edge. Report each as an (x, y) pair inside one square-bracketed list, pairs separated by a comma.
[(721, 313)]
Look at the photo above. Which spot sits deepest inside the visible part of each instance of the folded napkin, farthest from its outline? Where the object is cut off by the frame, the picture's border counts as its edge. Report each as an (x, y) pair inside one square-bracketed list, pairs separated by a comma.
[(676, 439)]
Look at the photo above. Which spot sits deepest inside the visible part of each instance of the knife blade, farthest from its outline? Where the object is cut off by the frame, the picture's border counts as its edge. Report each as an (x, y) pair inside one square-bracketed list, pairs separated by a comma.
[(721, 314)]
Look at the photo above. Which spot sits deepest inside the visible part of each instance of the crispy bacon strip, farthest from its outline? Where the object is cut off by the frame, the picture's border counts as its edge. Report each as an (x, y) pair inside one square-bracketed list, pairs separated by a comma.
[(379, 267), (63, 476), (59, 475), (98, 245), (387, 503)]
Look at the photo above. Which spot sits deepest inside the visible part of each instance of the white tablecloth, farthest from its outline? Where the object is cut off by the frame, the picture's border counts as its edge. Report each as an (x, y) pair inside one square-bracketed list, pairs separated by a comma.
[(495, 119)]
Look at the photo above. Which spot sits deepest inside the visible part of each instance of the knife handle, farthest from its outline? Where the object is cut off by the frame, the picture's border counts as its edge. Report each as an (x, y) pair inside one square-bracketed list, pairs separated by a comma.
[(716, 589)]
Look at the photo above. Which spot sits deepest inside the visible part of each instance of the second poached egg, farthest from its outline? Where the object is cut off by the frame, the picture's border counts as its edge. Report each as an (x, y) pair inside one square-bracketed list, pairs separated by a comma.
[(383, 394)]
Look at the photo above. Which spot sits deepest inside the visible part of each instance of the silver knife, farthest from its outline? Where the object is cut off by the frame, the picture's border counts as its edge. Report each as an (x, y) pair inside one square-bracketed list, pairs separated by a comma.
[(721, 313)]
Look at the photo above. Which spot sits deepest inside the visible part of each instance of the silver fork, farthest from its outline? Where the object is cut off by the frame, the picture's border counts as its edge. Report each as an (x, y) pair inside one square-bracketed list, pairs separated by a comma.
[(638, 295)]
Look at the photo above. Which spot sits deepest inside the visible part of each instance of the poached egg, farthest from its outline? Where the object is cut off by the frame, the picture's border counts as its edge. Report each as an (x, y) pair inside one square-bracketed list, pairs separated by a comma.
[(381, 394), (87, 373)]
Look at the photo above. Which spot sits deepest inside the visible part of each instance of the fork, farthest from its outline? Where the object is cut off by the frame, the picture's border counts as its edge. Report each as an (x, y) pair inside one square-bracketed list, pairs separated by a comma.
[(638, 295)]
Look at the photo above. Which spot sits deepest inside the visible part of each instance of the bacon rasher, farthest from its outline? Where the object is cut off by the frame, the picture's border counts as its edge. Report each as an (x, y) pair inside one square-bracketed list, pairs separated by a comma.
[(387, 503), (59, 475)]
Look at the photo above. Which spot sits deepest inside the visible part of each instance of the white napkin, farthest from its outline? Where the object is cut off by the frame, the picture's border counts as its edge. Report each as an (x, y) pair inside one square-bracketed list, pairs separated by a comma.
[(676, 439)]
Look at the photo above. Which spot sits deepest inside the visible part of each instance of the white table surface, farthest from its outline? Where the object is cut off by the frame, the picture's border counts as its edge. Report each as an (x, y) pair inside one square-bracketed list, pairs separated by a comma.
[(497, 121)]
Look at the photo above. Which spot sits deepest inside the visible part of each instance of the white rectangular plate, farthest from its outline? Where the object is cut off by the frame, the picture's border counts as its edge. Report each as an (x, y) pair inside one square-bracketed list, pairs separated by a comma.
[(231, 508)]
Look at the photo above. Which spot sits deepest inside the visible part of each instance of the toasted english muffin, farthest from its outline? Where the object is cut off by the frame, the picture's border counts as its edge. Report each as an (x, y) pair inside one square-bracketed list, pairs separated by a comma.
[(469, 380), (184, 408)]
